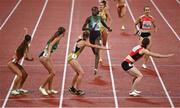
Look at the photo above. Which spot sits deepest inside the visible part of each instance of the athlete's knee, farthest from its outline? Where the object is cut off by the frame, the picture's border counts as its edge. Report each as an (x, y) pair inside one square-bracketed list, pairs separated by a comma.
[(9, 64), (25, 75), (140, 76), (52, 74), (42, 59), (81, 74), (19, 75)]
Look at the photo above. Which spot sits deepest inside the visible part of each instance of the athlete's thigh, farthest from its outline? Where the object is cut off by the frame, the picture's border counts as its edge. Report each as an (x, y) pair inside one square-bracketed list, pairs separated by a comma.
[(47, 64), (134, 72), (76, 66), (150, 42), (15, 69)]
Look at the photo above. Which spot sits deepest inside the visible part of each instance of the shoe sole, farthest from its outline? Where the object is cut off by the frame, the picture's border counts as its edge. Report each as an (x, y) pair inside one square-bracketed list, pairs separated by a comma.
[(134, 95), (42, 93)]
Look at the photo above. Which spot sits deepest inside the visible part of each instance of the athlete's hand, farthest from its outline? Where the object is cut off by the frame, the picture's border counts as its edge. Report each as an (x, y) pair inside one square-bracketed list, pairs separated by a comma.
[(106, 48), (155, 29), (109, 29), (135, 32), (169, 55), (26, 30)]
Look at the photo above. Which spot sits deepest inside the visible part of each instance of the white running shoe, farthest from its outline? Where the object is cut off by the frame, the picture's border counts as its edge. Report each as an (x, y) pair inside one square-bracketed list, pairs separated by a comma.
[(52, 91), (122, 27), (43, 91), (144, 66), (100, 60), (137, 91), (95, 71), (22, 91), (15, 92), (133, 93)]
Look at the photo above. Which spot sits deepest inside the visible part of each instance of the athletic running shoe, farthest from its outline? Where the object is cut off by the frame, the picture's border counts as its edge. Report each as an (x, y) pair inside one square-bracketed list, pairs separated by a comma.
[(144, 66), (133, 93), (100, 60), (80, 92), (52, 91), (43, 91), (95, 71), (15, 92), (122, 27), (137, 91), (72, 90), (22, 91)]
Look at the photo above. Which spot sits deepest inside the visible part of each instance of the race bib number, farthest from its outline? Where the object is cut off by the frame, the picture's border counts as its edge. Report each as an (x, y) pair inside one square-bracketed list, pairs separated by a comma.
[(146, 25), (45, 54), (130, 65), (96, 26), (74, 56), (136, 48)]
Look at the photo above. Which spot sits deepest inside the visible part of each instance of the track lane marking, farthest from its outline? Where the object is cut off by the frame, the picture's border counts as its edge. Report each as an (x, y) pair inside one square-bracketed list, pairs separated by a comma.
[(67, 52), (10, 14), (112, 77), (165, 20), (178, 1)]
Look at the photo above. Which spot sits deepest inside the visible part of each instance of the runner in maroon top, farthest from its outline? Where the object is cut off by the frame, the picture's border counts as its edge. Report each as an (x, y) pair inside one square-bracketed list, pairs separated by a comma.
[(136, 53), (16, 67)]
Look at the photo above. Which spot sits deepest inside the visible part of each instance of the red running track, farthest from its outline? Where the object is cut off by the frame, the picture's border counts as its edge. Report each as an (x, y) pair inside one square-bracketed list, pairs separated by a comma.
[(99, 92)]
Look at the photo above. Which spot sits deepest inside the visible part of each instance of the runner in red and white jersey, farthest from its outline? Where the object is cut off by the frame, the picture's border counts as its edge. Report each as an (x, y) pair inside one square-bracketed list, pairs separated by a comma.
[(146, 24), (136, 53)]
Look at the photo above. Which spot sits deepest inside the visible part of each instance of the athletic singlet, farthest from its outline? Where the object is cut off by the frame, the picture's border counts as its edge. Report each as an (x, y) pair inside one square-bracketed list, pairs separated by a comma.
[(95, 24), (135, 52), (146, 22), (76, 49), (103, 15), (54, 47)]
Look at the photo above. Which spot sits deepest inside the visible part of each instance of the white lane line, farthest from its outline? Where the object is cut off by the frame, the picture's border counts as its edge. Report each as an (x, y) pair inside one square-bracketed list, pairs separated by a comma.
[(165, 20), (70, 98), (162, 83), (10, 14), (178, 1), (7, 96), (67, 51), (112, 78), (155, 67)]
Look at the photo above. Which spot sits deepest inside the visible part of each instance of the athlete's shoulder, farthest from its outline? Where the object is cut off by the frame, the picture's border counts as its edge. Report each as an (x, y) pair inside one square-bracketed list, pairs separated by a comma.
[(142, 16), (88, 18), (151, 17), (137, 47)]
